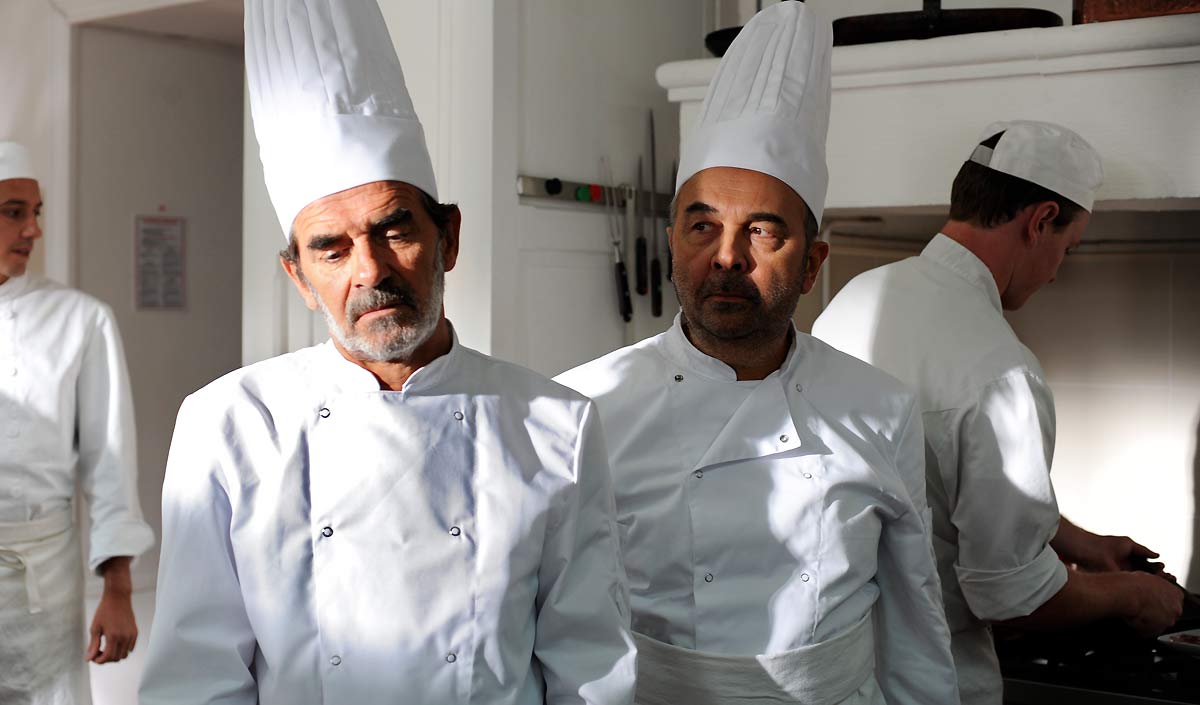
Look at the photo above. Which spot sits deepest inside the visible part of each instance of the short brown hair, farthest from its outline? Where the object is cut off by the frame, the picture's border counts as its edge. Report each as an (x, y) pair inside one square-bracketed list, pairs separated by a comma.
[(987, 198)]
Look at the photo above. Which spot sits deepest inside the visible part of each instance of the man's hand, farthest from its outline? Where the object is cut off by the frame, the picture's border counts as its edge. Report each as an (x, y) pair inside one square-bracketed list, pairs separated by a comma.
[(1103, 554), (1155, 604), (114, 621), (1111, 553)]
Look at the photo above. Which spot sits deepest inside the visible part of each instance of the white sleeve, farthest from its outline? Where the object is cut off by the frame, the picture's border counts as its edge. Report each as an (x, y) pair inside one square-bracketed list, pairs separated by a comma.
[(1006, 512), (201, 643), (914, 664), (108, 447), (583, 640)]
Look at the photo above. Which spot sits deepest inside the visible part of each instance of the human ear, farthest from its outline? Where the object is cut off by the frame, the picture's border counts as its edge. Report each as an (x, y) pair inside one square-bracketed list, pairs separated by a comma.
[(293, 271), (817, 253), (1041, 222), (450, 240)]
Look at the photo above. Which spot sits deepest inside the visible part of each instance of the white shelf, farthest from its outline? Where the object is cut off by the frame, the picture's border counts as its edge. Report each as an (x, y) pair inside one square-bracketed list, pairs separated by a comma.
[(905, 114)]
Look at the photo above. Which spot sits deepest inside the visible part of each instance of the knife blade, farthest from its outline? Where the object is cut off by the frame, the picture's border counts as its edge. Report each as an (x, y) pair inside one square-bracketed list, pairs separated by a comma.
[(640, 274), (655, 264)]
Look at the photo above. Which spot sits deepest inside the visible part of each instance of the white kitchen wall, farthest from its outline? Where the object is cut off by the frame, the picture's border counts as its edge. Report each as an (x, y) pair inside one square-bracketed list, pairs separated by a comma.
[(586, 84), (159, 131), (35, 70)]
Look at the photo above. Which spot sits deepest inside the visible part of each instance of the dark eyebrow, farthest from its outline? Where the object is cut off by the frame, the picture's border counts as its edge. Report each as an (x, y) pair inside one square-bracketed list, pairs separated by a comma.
[(758, 217), (324, 242), (18, 202), (400, 216), (766, 217)]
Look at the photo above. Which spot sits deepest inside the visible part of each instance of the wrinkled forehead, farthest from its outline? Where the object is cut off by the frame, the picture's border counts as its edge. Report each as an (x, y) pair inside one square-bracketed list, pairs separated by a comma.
[(735, 192), (357, 209), (20, 190)]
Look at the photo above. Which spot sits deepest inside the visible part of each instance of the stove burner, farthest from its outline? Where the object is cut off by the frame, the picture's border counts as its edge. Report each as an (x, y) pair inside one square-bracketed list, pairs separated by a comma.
[(1106, 657)]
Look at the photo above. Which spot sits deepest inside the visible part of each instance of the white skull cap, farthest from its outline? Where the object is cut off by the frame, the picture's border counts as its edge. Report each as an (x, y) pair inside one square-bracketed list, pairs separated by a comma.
[(15, 162), (767, 107), (331, 110), (1046, 154)]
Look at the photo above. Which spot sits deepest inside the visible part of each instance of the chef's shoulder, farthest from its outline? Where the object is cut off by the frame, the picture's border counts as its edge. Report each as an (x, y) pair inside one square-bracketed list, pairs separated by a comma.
[(842, 386), (545, 403), (53, 300), (628, 371), (263, 390)]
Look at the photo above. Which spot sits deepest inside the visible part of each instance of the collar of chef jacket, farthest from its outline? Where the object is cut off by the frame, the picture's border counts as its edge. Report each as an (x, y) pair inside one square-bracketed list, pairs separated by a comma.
[(681, 351), (950, 254), (763, 425), (14, 287), (350, 377)]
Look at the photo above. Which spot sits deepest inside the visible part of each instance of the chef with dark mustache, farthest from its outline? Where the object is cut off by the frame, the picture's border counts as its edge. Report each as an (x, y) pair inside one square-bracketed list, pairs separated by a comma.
[(770, 490)]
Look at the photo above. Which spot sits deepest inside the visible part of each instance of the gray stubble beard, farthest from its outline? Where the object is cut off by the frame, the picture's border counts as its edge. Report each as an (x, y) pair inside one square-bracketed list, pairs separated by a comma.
[(402, 339)]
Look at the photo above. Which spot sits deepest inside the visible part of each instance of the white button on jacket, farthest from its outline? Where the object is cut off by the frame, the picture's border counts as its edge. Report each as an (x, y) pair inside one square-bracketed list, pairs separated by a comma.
[(757, 519), (935, 322), (523, 603)]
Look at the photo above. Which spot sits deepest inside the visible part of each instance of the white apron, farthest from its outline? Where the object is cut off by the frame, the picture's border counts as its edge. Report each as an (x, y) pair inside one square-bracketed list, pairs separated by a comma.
[(838, 671), (41, 613)]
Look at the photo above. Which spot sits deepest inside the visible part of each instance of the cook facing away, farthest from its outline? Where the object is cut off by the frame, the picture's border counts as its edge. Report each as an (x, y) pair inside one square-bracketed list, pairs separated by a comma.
[(390, 516), (66, 419), (1021, 201), (770, 490)]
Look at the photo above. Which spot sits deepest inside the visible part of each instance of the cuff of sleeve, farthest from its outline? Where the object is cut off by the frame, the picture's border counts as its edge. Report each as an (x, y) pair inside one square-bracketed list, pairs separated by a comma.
[(129, 538), (996, 595)]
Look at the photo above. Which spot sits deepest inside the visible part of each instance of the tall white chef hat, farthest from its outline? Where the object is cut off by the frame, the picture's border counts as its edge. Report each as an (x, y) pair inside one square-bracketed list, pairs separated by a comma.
[(330, 107), (15, 162), (767, 108), (1046, 154)]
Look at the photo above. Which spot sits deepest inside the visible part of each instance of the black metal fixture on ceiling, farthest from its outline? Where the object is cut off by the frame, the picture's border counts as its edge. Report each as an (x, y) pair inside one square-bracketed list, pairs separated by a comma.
[(717, 42), (929, 22), (932, 21)]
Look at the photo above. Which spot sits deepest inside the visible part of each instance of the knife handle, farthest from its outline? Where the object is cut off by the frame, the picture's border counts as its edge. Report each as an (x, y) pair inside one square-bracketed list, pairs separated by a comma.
[(656, 288), (639, 266), (624, 302)]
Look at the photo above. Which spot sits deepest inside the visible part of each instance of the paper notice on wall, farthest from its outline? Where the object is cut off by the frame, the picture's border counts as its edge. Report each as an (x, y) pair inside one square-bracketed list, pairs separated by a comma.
[(161, 263)]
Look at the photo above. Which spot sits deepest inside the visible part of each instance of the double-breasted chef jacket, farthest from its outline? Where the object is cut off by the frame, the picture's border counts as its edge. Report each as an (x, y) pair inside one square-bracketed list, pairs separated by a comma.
[(328, 542), (760, 517), (935, 322), (66, 420)]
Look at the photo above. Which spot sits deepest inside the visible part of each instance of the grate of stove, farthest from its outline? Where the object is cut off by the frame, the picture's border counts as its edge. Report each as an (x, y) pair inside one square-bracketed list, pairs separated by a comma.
[(1103, 657)]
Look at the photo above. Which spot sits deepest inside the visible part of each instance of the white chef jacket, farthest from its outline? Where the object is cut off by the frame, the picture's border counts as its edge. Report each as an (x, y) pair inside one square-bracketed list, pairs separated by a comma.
[(936, 322), (66, 413), (758, 517), (328, 542)]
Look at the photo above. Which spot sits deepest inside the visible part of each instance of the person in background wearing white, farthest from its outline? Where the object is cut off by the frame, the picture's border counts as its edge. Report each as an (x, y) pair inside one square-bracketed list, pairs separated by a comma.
[(389, 516), (770, 490), (1017, 206), (66, 417)]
